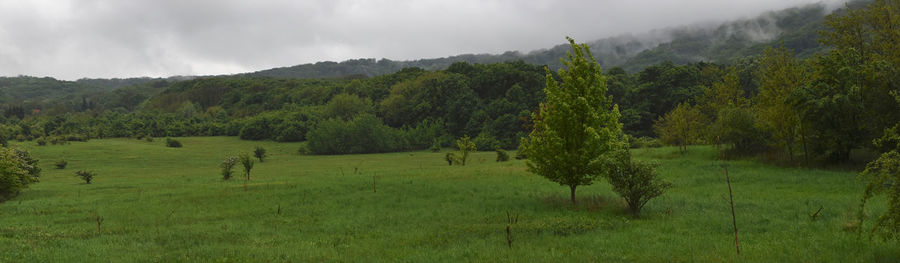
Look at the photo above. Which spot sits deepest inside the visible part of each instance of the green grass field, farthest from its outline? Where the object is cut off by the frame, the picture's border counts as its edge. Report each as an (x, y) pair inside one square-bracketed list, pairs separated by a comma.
[(170, 204)]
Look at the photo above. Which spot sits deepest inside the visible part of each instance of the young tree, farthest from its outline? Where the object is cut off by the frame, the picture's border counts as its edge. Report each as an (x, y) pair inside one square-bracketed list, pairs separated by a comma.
[(17, 171), (576, 127), (780, 77), (465, 146), (260, 153), (682, 126), (637, 182), (227, 165), (247, 162), (87, 176)]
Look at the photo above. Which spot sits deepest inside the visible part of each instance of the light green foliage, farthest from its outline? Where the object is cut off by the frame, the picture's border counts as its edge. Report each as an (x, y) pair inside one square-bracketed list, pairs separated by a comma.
[(260, 153), (362, 134), (227, 165), (882, 177), (17, 171), (683, 126), (346, 106), (466, 146), (247, 163), (780, 77), (724, 93), (87, 176), (576, 127), (635, 181)]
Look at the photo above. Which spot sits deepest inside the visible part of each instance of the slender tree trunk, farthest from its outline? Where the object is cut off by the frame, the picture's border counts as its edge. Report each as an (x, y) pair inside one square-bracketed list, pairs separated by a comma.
[(573, 193)]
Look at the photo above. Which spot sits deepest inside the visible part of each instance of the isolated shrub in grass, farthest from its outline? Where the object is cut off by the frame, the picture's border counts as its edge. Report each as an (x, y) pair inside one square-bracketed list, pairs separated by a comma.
[(637, 182), (465, 145), (41, 141), (173, 143), (247, 163), (259, 153), (227, 166), (61, 164), (502, 155), (87, 176), (883, 178), (58, 140), (450, 157), (149, 138), (17, 171), (435, 146)]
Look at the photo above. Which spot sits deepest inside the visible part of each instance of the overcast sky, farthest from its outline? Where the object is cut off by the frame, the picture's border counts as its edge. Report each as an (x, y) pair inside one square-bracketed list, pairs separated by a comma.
[(71, 39)]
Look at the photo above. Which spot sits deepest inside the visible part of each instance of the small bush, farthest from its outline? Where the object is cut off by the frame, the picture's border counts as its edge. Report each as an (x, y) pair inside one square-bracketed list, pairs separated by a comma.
[(61, 164), (303, 150), (502, 156), (20, 138), (58, 140), (41, 141), (435, 146), (637, 182), (247, 162), (227, 166), (260, 153), (76, 138), (520, 152), (173, 143), (149, 138), (87, 176)]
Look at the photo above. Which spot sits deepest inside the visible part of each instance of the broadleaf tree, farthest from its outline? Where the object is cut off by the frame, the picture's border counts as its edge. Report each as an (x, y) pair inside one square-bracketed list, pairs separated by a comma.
[(577, 126)]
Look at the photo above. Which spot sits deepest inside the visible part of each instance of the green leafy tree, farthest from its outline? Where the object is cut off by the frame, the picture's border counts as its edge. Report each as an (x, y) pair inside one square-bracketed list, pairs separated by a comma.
[(637, 182), (247, 163), (682, 126), (465, 146), (17, 171), (227, 165), (780, 77), (346, 106), (87, 176), (883, 178), (259, 153), (576, 127)]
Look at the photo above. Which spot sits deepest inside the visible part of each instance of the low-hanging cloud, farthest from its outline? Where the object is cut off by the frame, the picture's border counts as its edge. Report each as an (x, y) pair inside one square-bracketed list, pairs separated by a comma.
[(71, 39)]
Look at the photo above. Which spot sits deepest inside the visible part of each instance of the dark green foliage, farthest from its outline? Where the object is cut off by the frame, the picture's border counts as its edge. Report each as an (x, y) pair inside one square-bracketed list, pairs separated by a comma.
[(246, 163), (637, 182), (362, 134), (486, 142), (450, 157), (520, 152), (259, 153), (502, 155), (17, 170), (736, 128), (87, 176), (435, 146), (227, 165), (41, 141), (61, 164), (883, 178), (173, 143)]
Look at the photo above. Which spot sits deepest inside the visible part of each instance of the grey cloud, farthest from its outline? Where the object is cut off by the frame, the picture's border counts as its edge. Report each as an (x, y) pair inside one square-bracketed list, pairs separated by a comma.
[(70, 39)]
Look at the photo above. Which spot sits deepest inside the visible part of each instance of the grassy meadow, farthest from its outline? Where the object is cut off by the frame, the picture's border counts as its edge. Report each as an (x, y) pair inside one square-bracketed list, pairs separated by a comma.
[(171, 204)]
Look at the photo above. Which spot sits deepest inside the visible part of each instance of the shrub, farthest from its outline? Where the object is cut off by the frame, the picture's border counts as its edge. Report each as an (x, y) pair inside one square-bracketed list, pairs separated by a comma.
[(520, 152), (76, 138), (450, 157), (247, 163), (465, 145), (61, 164), (20, 138), (227, 166), (149, 138), (303, 150), (58, 140), (883, 177), (17, 171), (637, 182), (173, 143), (502, 156), (87, 176), (259, 153), (435, 146), (41, 141)]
